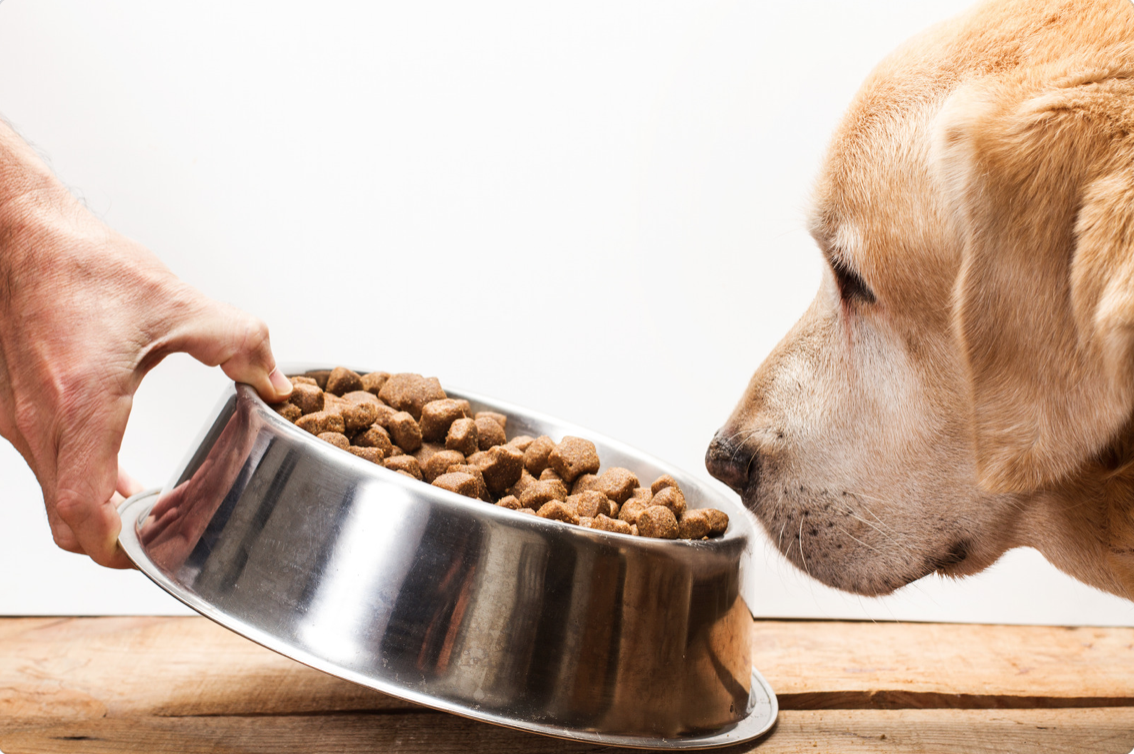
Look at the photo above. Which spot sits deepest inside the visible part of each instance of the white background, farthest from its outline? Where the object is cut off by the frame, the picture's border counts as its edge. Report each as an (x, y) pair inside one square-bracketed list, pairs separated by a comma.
[(594, 209)]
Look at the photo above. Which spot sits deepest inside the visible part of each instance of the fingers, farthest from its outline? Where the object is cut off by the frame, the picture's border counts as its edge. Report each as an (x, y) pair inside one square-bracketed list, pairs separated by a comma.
[(127, 485), (225, 336)]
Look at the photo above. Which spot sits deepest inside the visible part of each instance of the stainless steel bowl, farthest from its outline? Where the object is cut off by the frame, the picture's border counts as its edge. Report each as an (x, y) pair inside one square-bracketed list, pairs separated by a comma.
[(453, 603)]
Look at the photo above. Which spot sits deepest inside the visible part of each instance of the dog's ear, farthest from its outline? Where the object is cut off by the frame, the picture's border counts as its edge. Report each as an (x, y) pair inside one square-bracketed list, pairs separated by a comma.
[(1040, 180)]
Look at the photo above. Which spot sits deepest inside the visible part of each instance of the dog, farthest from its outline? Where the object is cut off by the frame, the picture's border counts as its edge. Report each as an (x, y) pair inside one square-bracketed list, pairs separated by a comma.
[(963, 382)]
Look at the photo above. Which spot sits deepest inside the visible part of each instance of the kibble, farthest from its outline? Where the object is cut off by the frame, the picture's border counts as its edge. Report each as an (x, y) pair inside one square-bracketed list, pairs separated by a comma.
[(408, 425)]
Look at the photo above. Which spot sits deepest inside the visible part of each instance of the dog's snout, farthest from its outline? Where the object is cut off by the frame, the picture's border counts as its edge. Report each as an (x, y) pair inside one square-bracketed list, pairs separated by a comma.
[(731, 462)]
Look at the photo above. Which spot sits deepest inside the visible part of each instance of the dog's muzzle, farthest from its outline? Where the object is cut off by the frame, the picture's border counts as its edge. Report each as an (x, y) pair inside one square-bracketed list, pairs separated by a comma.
[(732, 463)]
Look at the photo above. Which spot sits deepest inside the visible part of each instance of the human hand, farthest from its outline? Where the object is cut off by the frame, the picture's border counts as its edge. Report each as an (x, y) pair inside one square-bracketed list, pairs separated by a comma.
[(85, 313)]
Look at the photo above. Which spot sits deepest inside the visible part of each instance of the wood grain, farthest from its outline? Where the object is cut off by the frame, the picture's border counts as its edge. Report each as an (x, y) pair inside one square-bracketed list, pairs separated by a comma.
[(187, 685)]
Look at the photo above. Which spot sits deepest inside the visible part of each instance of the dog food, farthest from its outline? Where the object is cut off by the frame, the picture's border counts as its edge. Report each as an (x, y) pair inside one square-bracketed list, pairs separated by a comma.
[(407, 424)]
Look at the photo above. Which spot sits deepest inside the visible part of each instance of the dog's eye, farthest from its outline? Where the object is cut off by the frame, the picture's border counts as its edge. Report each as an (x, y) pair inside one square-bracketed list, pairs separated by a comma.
[(851, 286)]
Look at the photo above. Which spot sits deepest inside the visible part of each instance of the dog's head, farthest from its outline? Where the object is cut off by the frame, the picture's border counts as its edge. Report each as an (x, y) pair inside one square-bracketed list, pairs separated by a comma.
[(969, 358)]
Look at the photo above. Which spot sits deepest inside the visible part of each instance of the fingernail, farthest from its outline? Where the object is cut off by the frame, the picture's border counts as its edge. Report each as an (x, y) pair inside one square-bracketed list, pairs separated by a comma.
[(280, 383)]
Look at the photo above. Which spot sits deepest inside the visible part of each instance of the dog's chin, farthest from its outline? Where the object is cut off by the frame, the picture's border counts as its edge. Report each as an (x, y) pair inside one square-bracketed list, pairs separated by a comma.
[(851, 565)]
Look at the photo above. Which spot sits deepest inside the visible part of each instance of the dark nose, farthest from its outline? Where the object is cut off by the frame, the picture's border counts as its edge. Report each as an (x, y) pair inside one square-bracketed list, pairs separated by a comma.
[(731, 463)]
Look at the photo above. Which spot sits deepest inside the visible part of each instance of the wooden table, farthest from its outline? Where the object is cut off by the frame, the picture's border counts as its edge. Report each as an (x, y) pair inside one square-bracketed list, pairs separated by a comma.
[(184, 685)]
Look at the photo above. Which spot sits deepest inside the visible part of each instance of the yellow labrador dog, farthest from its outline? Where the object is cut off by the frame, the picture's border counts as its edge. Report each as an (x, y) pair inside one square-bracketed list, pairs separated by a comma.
[(963, 382)]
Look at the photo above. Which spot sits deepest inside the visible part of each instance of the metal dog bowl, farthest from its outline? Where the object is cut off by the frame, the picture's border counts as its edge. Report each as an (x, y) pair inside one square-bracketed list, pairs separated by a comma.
[(456, 604)]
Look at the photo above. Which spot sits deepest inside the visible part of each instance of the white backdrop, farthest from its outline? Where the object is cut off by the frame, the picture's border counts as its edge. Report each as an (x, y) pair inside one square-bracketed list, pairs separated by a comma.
[(434, 187)]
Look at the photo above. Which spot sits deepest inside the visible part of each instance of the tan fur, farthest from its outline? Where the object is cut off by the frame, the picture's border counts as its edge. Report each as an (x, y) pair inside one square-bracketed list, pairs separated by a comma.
[(982, 185)]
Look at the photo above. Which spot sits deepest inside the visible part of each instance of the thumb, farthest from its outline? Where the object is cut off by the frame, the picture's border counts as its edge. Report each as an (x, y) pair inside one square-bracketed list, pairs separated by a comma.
[(222, 335)]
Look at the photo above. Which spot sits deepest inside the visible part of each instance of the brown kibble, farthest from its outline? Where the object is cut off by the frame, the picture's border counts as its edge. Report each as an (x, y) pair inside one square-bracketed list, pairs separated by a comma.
[(591, 503), (302, 379), (406, 473), (342, 380), (502, 467), (631, 511), (586, 522), (333, 404), (671, 498), (320, 376), (396, 451), (572, 457), (543, 492), (643, 494), (320, 422), (558, 511), (693, 525), (361, 396), (439, 464), (462, 436), (605, 523), (583, 483), (490, 432), (617, 483), (465, 468), (337, 439), (526, 480), (499, 418), (308, 398), (370, 454), (461, 483), (549, 475), (373, 382), (289, 411), (521, 442), (410, 392), (359, 416), (663, 481), (426, 451), (403, 428), (438, 416), (718, 521), (657, 522), (537, 454), (405, 464), (375, 437), (511, 502), (529, 511)]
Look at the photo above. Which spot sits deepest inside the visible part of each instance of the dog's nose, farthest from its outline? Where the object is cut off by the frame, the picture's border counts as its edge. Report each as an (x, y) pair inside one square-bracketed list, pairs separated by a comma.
[(731, 463)]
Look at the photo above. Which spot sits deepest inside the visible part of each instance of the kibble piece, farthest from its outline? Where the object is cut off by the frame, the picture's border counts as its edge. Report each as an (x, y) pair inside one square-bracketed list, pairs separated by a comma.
[(373, 382), (693, 525), (718, 521), (410, 392), (537, 453), (426, 451), (511, 502), (617, 483), (631, 511), (439, 464), (502, 467), (333, 404), (591, 503), (359, 416), (657, 522), (370, 454), (375, 437), (671, 498), (462, 436), (521, 442), (342, 380), (404, 463), (605, 523), (665, 480), (337, 439), (499, 418), (549, 475), (320, 376), (308, 398), (557, 511), (529, 511), (526, 480), (583, 483), (396, 451), (482, 488), (461, 483), (405, 431), (289, 411), (490, 432), (385, 414), (543, 492), (302, 379), (642, 493), (320, 422), (361, 396), (586, 522), (437, 416), (572, 457)]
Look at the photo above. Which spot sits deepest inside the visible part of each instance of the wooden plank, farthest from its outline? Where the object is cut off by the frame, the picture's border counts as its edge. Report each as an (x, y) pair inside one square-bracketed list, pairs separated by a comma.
[(1073, 731)]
